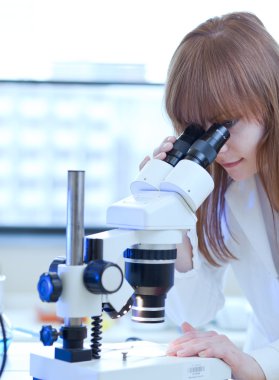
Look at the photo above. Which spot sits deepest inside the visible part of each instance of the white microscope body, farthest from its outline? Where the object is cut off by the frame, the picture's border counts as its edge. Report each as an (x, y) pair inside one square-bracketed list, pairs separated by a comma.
[(148, 226)]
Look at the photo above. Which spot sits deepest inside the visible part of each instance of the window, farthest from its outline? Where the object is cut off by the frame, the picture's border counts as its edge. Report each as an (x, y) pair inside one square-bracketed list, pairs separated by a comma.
[(81, 87)]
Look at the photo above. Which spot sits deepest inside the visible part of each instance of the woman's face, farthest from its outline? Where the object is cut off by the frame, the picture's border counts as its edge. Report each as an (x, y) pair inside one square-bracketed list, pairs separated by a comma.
[(238, 155)]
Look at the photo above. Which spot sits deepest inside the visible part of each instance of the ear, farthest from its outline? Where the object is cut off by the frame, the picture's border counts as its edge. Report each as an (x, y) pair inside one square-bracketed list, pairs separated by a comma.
[(186, 327)]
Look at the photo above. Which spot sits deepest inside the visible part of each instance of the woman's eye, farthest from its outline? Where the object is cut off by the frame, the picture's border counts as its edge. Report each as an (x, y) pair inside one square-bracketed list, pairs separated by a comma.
[(229, 123)]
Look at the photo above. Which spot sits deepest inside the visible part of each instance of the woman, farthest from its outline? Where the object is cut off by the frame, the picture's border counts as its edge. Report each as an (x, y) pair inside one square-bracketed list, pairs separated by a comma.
[(227, 69)]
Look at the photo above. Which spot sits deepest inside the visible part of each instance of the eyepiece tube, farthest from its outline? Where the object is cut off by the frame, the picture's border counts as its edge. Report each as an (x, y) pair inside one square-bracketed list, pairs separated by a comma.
[(183, 143), (205, 149)]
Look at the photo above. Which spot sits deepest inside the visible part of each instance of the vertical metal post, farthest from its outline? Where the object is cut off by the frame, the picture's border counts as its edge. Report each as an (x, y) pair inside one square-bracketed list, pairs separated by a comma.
[(75, 218), (75, 226)]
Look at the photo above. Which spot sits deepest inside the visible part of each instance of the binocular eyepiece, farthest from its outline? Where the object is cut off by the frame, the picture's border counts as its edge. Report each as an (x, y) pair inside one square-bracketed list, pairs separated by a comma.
[(197, 145), (183, 144)]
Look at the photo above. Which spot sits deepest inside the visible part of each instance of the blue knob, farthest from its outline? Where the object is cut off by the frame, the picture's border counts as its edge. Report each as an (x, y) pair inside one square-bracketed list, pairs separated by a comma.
[(48, 335), (49, 287)]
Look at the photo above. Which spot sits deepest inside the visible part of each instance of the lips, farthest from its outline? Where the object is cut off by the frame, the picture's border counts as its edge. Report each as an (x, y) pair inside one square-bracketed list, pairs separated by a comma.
[(229, 165)]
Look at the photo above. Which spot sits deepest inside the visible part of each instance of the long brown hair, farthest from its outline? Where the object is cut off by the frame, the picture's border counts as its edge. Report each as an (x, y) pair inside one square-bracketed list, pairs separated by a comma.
[(226, 69)]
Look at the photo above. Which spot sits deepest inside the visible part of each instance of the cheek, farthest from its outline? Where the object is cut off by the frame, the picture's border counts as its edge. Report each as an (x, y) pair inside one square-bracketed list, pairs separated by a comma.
[(246, 144), (251, 146), (253, 137)]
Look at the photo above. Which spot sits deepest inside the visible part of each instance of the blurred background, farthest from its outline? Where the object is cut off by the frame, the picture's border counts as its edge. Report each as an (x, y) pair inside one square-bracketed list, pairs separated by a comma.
[(81, 88)]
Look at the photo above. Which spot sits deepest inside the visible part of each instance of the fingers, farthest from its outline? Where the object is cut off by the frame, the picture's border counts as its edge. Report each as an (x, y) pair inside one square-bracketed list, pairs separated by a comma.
[(166, 146), (192, 342), (207, 353), (193, 334), (204, 344), (144, 161), (185, 327), (190, 348), (160, 153)]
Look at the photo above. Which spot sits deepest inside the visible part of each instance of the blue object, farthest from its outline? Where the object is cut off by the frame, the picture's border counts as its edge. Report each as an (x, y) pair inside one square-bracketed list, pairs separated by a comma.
[(8, 333), (49, 287), (48, 335)]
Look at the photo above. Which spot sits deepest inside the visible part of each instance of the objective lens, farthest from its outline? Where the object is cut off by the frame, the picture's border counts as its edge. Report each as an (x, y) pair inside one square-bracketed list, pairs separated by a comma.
[(205, 149), (151, 274), (183, 143)]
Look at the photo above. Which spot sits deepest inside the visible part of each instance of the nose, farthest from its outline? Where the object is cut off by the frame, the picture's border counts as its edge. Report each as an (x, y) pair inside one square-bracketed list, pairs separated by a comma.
[(224, 148)]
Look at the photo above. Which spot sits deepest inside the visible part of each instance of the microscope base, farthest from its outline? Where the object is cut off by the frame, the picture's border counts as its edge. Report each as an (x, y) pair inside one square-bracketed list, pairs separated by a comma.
[(113, 366)]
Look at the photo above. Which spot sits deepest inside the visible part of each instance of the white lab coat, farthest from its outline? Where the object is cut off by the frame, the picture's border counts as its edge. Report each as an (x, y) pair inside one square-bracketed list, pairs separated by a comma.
[(198, 294)]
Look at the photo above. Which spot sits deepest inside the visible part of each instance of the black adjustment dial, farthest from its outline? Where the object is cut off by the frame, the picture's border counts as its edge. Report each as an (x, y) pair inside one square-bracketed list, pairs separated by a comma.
[(102, 277), (57, 261)]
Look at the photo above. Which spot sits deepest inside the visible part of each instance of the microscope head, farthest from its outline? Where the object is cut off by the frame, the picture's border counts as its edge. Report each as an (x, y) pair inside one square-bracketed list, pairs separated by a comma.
[(150, 223), (149, 268)]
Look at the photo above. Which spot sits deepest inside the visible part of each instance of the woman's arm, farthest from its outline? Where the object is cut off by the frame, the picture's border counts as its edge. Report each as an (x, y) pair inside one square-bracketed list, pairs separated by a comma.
[(184, 260), (197, 293)]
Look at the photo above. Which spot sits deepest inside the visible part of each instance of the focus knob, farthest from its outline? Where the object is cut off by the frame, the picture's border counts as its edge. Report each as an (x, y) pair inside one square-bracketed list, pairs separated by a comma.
[(49, 287), (48, 335), (102, 277)]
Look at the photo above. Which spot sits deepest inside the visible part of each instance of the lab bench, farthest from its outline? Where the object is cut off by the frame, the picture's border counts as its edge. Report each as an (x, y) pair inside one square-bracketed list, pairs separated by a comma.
[(27, 326)]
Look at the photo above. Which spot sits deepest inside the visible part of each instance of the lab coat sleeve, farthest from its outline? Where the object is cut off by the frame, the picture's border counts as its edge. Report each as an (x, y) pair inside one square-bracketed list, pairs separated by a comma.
[(197, 295), (268, 359)]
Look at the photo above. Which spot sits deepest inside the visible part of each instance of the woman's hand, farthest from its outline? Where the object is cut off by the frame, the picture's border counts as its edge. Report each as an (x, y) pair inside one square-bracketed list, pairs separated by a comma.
[(212, 345), (160, 153)]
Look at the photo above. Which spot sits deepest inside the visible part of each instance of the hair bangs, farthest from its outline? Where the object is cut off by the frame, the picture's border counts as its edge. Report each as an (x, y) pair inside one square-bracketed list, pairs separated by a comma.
[(212, 87)]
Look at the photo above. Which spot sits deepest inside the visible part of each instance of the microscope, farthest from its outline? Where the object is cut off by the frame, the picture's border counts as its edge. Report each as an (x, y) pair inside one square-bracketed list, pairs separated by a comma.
[(128, 268)]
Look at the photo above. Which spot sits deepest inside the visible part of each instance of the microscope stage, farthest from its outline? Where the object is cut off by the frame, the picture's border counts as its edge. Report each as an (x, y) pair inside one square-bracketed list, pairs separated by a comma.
[(127, 364)]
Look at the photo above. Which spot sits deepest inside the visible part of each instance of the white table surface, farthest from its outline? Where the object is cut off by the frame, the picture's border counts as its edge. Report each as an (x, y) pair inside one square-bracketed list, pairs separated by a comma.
[(17, 367)]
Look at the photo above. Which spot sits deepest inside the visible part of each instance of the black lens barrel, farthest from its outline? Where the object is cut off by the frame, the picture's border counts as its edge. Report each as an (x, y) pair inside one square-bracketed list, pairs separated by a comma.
[(151, 274), (204, 150), (183, 143)]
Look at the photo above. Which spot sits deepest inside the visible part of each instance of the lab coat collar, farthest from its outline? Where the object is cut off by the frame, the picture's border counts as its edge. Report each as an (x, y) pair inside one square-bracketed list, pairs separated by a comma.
[(243, 201)]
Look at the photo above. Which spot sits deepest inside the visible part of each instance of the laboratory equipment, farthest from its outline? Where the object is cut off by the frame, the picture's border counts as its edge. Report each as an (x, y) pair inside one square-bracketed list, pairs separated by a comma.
[(5, 329), (128, 267)]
